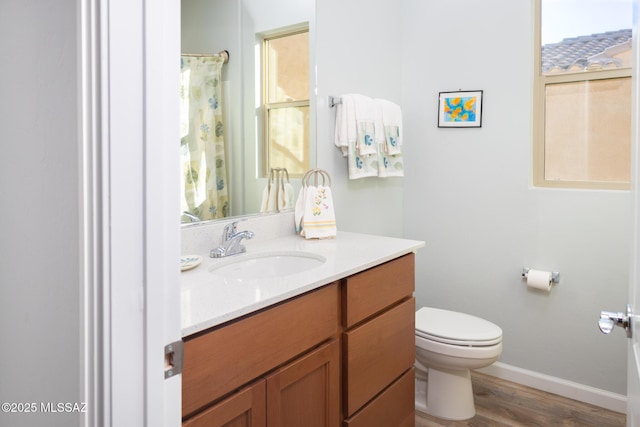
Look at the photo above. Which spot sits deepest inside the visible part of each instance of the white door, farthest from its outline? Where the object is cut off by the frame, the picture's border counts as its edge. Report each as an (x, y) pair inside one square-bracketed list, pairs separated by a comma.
[(630, 318), (130, 53), (633, 353), (162, 208)]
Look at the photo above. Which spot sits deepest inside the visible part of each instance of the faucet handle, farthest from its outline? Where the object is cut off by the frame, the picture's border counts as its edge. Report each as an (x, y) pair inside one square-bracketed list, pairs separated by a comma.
[(230, 229)]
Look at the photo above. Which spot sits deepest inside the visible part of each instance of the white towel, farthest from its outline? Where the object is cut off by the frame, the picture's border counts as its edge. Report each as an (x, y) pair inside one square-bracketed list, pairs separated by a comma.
[(319, 220), (368, 125), (286, 201), (390, 161), (362, 158), (346, 134), (298, 213), (391, 117), (269, 197), (277, 195)]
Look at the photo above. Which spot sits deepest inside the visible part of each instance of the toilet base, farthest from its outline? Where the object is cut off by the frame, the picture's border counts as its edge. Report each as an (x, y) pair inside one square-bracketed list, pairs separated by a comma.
[(447, 394)]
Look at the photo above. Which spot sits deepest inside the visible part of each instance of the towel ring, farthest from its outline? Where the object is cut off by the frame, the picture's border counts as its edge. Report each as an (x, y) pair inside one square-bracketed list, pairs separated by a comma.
[(314, 173)]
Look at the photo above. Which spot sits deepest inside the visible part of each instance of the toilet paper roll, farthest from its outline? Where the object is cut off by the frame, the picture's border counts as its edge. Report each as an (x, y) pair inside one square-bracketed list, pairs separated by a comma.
[(538, 279)]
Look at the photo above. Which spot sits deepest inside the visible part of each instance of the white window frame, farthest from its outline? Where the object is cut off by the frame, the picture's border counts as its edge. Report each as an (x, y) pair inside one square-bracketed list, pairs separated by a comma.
[(267, 107)]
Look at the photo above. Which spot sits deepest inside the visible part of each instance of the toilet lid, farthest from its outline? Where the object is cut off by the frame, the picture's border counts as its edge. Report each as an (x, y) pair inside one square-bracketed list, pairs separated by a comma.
[(450, 327)]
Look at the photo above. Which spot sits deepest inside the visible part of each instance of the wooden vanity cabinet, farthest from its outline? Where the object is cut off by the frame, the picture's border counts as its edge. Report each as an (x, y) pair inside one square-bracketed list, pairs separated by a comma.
[(292, 349), (305, 392), (339, 355), (379, 345)]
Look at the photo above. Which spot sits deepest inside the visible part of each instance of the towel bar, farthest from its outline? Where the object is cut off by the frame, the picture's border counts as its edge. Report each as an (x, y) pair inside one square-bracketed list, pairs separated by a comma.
[(334, 100)]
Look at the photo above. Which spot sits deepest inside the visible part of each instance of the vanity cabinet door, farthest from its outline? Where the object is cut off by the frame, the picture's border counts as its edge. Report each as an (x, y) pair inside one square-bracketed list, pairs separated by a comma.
[(376, 353), (307, 391), (246, 408), (394, 407)]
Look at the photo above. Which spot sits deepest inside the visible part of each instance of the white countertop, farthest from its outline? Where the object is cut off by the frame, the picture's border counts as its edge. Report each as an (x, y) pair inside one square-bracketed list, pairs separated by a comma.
[(209, 301)]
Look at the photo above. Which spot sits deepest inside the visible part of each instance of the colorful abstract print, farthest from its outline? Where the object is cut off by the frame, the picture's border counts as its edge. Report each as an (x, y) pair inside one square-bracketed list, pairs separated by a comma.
[(460, 109)]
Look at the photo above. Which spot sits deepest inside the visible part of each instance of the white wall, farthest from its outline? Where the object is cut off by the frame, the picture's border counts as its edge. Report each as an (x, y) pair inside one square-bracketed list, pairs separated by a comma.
[(468, 195), (358, 47), (39, 182)]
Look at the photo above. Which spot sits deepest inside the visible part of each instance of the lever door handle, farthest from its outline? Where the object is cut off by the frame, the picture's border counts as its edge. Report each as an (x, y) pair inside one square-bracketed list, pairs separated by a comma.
[(609, 319), (606, 323)]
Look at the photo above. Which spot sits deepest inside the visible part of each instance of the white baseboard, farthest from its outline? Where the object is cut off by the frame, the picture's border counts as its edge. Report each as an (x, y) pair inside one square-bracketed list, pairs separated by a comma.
[(583, 393)]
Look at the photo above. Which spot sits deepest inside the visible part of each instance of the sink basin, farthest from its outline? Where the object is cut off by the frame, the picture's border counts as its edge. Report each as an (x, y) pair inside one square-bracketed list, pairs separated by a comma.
[(266, 265)]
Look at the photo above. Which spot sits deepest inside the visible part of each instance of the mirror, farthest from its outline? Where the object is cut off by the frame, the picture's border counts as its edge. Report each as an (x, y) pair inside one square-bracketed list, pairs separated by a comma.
[(238, 26)]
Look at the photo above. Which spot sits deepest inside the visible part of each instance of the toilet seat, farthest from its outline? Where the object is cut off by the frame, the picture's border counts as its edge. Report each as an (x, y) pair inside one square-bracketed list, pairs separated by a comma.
[(453, 328)]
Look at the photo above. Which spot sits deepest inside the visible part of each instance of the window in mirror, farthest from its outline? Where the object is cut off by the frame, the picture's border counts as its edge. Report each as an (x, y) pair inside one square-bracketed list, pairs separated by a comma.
[(286, 102), (582, 119)]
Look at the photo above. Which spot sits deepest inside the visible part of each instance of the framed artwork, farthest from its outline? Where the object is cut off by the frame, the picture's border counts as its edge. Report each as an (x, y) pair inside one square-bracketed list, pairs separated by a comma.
[(461, 109)]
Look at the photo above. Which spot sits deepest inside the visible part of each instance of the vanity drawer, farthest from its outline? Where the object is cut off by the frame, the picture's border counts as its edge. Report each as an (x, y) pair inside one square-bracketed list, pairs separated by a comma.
[(393, 407), (230, 356), (371, 291), (376, 353)]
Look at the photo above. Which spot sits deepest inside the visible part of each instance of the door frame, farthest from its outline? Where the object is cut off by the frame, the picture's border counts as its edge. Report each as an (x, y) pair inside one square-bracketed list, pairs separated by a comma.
[(128, 54)]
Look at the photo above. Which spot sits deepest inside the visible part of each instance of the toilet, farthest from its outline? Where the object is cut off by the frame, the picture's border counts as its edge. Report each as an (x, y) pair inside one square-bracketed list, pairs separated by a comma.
[(448, 346)]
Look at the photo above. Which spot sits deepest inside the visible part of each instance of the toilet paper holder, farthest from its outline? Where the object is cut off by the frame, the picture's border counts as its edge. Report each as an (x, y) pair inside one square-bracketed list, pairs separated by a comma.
[(555, 276)]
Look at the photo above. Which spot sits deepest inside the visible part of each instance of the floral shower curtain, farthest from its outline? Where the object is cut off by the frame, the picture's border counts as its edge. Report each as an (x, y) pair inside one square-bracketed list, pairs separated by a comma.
[(204, 172)]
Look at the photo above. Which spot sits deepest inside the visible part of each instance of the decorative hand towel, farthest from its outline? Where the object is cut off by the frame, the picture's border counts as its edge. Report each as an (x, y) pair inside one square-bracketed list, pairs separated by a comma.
[(391, 117), (318, 219), (390, 162), (346, 138), (368, 128)]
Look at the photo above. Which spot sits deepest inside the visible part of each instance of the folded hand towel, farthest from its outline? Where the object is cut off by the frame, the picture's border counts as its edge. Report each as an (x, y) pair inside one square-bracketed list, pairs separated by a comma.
[(319, 221), (346, 133), (390, 155), (368, 126), (391, 117), (360, 163)]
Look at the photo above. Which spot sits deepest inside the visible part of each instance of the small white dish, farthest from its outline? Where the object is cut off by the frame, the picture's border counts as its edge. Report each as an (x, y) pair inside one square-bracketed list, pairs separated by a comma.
[(187, 262)]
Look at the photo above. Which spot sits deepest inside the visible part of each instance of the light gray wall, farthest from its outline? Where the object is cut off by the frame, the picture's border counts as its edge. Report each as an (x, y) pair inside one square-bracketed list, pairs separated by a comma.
[(357, 52), (468, 195), (39, 183)]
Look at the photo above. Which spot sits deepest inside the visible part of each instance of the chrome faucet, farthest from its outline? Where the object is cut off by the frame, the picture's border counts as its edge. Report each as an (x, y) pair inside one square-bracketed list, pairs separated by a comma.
[(231, 238), (191, 217)]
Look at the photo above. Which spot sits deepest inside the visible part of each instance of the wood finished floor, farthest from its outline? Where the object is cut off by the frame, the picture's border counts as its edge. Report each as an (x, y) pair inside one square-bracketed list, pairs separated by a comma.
[(502, 403)]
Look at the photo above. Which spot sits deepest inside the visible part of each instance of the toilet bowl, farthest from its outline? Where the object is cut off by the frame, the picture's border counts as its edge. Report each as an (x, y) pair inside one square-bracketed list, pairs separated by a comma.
[(448, 346)]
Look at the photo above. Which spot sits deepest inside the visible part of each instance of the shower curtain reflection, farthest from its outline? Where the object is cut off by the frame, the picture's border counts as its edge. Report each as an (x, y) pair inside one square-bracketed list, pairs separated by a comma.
[(204, 188)]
